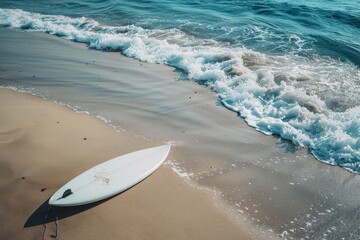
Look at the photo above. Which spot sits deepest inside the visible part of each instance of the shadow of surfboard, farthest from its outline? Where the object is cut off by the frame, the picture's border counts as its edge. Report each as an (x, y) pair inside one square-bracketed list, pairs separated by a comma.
[(47, 214), (44, 214)]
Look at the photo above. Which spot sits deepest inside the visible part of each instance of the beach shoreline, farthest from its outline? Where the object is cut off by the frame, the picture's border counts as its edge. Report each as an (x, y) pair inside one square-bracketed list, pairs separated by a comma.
[(277, 187), (41, 140)]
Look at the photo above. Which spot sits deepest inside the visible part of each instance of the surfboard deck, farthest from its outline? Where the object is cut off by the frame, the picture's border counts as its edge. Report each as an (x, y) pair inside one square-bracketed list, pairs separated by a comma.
[(110, 178)]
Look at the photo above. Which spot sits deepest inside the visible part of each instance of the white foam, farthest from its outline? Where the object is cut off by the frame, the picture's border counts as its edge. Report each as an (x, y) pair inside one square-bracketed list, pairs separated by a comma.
[(179, 171), (312, 101)]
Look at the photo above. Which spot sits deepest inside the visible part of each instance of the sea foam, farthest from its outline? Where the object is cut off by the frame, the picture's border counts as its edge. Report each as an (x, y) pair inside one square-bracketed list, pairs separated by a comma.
[(311, 100)]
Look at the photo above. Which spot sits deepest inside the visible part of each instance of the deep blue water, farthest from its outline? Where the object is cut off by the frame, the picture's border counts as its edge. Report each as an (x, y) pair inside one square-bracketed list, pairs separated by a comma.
[(323, 27), (290, 68)]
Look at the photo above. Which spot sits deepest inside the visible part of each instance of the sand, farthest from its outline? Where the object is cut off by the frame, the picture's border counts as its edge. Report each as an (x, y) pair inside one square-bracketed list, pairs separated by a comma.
[(266, 187), (43, 145)]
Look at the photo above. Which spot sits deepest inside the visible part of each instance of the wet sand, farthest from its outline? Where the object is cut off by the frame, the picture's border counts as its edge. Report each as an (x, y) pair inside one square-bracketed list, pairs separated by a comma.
[(267, 186), (43, 145)]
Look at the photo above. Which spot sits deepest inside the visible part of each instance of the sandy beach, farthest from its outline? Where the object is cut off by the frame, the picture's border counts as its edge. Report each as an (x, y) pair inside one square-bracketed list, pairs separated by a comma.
[(43, 145), (232, 182)]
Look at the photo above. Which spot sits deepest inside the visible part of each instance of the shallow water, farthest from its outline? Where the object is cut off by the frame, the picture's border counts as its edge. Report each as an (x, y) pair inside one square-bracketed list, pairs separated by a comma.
[(289, 69), (280, 190)]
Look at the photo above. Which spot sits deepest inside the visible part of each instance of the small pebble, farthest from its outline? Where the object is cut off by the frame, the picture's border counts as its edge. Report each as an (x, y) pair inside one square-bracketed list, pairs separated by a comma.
[(43, 189), (85, 138), (23, 178)]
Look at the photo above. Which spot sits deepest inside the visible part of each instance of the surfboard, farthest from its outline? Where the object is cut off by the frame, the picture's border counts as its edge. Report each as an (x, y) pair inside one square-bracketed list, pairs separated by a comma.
[(110, 178)]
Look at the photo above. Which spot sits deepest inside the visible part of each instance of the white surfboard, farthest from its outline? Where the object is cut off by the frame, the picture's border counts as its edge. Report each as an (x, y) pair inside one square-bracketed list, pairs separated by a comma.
[(110, 178)]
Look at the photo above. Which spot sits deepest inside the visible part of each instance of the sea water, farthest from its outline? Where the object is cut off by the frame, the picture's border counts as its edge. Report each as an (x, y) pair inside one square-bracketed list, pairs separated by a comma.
[(289, 68)]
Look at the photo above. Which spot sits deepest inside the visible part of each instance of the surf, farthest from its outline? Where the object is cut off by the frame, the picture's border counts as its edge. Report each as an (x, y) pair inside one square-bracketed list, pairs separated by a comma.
[(309, 99)]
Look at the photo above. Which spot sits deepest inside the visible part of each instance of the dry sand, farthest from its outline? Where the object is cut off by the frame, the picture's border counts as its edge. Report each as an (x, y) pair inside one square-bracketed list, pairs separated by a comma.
[(42, 146), (268, 182)]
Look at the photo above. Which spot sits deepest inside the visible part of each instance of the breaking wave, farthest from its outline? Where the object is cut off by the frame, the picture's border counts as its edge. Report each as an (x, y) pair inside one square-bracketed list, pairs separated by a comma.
[(312, 100)]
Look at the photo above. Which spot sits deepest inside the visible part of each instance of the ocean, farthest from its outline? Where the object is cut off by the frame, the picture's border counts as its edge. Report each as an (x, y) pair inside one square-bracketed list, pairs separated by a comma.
[(288, 68)]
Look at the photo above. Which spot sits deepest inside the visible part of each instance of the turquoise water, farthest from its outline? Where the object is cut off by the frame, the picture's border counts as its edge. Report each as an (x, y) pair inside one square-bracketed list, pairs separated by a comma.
[(288, 68)]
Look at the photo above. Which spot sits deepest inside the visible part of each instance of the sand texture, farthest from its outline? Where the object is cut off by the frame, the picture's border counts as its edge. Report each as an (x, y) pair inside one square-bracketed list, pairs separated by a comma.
[(42, 146), (265, 185)]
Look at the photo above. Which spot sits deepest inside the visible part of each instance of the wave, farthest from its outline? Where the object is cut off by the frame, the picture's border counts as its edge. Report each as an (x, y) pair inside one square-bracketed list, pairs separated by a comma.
[(311, 100)]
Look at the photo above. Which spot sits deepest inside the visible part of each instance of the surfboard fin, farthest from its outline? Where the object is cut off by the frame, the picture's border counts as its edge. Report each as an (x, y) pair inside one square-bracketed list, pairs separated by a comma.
[(67, 193)]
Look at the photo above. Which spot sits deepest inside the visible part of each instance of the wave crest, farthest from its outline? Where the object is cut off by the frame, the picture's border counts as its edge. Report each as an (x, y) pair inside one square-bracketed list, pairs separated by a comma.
[(312, 101)]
